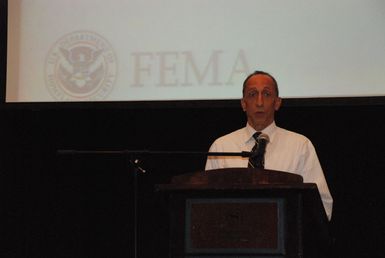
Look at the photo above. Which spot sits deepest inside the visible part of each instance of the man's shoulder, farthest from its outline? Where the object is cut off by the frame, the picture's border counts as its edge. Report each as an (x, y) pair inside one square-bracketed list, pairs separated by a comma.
[(236, 135), (291, 135)]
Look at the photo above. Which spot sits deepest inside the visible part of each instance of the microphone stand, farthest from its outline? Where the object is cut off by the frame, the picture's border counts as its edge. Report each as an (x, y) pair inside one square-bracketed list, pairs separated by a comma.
[(149, 152), (134, 165)]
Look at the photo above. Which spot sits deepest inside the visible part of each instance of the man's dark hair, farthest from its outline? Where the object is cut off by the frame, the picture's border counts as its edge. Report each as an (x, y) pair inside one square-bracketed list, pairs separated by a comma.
[(261, 73)]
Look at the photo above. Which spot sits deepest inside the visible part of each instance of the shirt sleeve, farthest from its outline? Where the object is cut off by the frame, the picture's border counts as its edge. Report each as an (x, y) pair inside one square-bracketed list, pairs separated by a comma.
[(313, 173), (212, 162)]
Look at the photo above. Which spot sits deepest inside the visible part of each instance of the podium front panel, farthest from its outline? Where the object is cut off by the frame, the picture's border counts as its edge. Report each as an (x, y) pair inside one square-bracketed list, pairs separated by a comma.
[(245, 213), (235, 226)]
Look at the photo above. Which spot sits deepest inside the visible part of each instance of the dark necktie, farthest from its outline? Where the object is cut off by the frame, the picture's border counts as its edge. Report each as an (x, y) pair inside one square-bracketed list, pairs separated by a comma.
[(256, 160)]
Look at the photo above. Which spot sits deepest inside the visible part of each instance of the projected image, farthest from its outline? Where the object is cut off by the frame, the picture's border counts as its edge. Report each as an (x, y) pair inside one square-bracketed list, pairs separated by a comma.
[(97, 50)]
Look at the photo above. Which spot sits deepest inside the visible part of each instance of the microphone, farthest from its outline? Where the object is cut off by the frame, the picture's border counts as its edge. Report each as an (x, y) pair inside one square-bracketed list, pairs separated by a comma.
[(257, 157), (263, 140)]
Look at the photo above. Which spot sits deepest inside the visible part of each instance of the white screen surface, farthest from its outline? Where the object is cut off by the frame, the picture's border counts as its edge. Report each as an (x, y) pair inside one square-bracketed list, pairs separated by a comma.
[(121, 50)]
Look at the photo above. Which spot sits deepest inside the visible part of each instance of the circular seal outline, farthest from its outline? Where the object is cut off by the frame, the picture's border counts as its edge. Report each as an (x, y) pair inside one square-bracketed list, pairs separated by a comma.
[(80, 66)]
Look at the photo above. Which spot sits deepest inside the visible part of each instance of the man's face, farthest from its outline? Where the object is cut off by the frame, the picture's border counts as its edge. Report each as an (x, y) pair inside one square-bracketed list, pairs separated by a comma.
[(260, 101)]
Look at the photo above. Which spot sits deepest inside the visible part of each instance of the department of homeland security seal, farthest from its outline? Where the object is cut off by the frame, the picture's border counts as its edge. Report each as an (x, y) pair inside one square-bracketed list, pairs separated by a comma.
[(81, 66)]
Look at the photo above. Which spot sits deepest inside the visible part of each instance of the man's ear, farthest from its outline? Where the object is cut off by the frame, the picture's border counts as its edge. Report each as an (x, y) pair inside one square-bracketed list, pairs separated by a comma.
[(278, 103), (243, 104)]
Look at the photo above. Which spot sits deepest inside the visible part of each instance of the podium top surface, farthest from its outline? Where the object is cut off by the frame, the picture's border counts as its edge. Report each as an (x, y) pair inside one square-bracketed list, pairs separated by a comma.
[(235, 178)]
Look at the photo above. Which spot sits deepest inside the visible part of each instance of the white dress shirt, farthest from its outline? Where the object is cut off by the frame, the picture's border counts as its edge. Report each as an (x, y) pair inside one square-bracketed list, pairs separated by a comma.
[(286, 151)]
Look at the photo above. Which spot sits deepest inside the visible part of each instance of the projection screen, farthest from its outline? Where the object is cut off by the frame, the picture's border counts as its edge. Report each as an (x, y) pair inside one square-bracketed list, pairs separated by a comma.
[(144, 50)]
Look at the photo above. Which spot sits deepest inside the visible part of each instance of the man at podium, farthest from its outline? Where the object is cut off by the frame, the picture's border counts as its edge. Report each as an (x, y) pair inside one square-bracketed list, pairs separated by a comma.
[(277, 148)]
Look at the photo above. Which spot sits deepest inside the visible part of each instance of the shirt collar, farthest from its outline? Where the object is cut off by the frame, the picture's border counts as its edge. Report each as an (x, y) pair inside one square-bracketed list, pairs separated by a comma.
[(268, 130)]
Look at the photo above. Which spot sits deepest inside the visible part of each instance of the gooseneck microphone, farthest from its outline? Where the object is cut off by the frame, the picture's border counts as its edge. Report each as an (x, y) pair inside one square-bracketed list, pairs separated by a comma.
[(257, 157), (263, 140)]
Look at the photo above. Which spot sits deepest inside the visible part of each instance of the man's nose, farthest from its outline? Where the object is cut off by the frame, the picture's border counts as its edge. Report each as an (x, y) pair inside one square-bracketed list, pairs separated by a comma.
[(259, 100)]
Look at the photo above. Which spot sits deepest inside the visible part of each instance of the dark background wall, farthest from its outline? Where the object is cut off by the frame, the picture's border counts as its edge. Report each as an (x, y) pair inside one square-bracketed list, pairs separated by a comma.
[(82, 205)]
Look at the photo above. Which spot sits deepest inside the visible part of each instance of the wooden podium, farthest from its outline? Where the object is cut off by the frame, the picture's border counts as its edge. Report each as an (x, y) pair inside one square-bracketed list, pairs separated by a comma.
[(243, 212)]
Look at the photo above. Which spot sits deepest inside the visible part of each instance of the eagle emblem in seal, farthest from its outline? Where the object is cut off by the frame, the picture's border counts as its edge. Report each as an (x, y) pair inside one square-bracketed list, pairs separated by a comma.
[(81, 66)]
